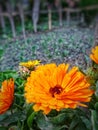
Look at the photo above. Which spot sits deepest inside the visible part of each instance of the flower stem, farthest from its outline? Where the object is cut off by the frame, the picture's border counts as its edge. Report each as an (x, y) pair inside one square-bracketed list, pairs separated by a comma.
[(18, 106), (11, 111)]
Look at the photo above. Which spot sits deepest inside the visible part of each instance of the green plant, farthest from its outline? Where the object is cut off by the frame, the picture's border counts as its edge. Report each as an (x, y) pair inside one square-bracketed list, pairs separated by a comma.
[(23, 116)]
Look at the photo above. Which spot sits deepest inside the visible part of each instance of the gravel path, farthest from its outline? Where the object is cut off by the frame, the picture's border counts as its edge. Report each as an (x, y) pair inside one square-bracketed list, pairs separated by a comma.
[(65, 44)]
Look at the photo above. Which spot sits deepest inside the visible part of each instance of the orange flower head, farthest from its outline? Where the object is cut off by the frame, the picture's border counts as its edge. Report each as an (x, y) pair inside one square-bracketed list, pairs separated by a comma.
[(55, 87), (94, 55), (6, 95), (30, 64)]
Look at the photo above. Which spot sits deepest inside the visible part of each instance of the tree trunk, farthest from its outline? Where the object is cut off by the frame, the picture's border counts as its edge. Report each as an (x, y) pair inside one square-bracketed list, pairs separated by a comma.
[(59, 8), (49, 18), (68, 17), (35, 13), (25, 4), (2, 19), (21, 13), (9, 9)]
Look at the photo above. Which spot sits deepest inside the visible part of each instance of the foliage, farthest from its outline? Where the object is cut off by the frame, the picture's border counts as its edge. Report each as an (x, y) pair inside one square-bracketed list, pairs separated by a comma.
[(43, 17), (21, 116), (1, 52), (84, 3)]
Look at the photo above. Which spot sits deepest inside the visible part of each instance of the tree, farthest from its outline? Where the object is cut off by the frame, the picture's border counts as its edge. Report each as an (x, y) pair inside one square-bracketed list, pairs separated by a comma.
[(35, 13)]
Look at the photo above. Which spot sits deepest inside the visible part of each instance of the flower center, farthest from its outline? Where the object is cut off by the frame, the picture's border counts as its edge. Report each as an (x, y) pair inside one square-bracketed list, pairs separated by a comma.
[(56, 90)]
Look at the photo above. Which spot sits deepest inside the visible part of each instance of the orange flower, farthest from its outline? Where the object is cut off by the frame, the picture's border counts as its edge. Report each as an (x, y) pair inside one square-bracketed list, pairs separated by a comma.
[(94, 55), (6, 95), (54, 87)]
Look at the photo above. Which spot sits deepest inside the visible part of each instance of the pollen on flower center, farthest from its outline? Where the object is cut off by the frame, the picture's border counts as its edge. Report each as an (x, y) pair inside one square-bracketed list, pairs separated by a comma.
[(56, 90)]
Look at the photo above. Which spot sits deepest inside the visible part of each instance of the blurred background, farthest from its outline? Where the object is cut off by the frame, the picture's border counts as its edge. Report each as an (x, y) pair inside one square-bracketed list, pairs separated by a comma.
[(48, 30), (21, 16)]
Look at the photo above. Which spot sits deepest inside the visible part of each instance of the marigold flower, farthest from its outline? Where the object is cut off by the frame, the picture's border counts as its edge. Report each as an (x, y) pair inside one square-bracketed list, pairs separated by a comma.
[(6, 95), (30, 64), (94, 55), (54, 87)]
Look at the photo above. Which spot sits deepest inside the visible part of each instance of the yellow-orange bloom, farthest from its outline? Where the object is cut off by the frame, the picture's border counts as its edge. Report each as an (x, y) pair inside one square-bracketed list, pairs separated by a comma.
[(94, 55), (6, 95), (56, 87), (30, 64)]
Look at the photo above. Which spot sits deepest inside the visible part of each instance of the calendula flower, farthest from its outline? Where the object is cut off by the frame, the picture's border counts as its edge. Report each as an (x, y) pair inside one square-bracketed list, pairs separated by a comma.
[(6, 95), (94, 55), (30, 64), (55, 87)]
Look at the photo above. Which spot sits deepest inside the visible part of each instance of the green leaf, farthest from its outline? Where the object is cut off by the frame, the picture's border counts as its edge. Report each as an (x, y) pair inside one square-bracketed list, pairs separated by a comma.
[(80, 126), (28, 109), (96, 106), (13, 118), (3, 116), (43, 122), (31, 118), (74, 123), (86, 122), (59, 119), (94, 119), (65, 52), (7, 74), (3, 128), (80, 121), (62, 127), (1, 52)]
